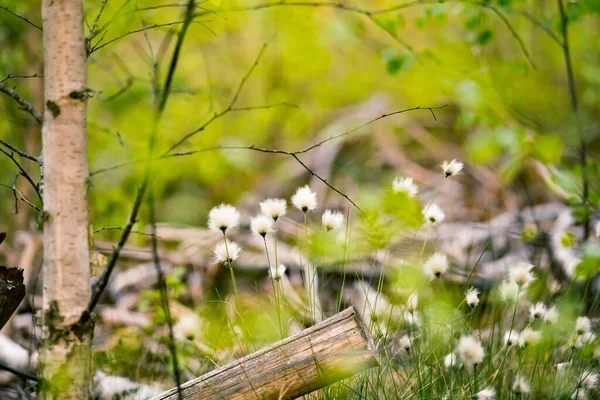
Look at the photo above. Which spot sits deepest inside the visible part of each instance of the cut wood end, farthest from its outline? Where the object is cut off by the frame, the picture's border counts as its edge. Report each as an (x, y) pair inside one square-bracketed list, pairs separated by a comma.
[(337, 348)]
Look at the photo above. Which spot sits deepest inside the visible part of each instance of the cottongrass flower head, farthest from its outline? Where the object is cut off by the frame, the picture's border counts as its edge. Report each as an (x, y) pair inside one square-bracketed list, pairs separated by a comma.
[(486, 394), (472, 297), (589, 379), (405, 186), (551, 315), (406, 343), (261, 225), (187, 327), (274, 208), (529, 337), (583, 325), (511, 338), (520, 385), (332, 220), (304, 199), (537, 311), (412, 302), (433, 214), (521, 273), (452, 168), (510, 291), (436, 265), (450, 360), (226, 252), (412, 319), (470, 351), (277, 272), (584, 339), (223, 217)]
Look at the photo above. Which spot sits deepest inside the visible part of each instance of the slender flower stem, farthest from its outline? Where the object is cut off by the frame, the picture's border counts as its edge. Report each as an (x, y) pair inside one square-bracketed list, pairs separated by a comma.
[(274, 277), (235, 289)]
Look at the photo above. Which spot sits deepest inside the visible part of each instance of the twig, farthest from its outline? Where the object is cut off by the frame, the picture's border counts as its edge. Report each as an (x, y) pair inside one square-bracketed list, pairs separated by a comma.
[(95, 23), (226, 110), (120, 228), (371, 13), (24, 174), (21, 17), (19, 152), (164, 298), (22, 102), (23, 197), (11, 76), (189, 16), (99, 46), (103, 281)]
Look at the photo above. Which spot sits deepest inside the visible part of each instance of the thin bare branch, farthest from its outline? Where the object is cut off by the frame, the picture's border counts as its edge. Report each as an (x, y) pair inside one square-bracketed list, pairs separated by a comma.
[(368, 123), (120, 228), (103, 281), (225, 110), (21, 17), (19, 152), (21, 195), (11, 76), (99, 46), (22, 102), (24, 173), (95, 23)]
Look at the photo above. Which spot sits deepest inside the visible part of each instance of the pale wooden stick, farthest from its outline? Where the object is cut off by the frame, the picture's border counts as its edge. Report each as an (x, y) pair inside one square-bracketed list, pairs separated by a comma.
[(336, 348)]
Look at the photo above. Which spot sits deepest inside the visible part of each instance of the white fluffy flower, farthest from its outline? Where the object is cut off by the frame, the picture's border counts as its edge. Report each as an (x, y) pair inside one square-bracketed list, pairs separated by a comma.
[(187, 327), (277, 273), (511, 338), (433, 214), (304, 199), (579, 394), (450, 360), (582, 325), (486, 394), (521, 273), (529, 337), (451, 168), (436, 265), (472, 297), (406, 343), (226, 252), (412, 302), (332, 220), (412, 318), (470, 350), (274, 208), (584, 339), (510, 291), (405, 186), (551, 315), (520, 386), (261, 225), (538, 310), (223, 217), (589, 379)]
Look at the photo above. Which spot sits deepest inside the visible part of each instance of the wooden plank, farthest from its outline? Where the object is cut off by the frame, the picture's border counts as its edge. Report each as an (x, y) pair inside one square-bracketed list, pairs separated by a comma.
[(336, 348), (12, 291)]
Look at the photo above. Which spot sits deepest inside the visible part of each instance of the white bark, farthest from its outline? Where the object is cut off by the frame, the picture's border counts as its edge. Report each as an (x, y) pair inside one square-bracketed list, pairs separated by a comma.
[(66, 354)]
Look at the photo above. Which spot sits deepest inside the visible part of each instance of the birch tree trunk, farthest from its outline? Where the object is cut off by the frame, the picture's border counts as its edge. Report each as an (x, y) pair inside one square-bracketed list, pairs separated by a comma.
[(66, 353)]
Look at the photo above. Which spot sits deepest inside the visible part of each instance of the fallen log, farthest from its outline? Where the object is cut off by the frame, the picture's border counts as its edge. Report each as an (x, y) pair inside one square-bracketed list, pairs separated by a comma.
[(336, 348)]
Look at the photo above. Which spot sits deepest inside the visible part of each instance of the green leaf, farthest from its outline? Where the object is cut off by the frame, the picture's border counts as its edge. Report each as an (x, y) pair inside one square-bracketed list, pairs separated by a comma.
[(485, 36), (547, 148)]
